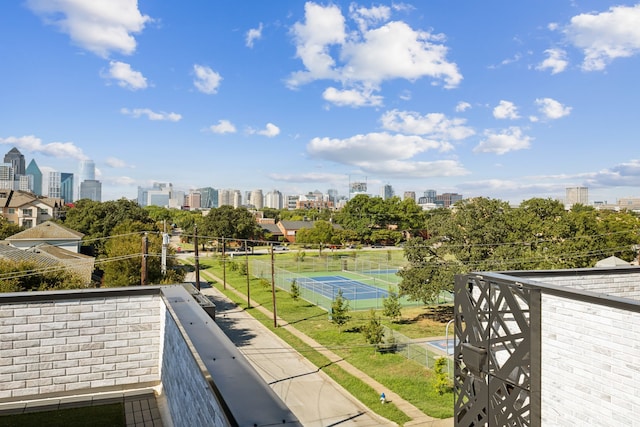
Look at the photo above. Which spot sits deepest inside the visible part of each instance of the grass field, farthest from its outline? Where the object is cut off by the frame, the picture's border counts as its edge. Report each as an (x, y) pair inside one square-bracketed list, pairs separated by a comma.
[(412, 381)]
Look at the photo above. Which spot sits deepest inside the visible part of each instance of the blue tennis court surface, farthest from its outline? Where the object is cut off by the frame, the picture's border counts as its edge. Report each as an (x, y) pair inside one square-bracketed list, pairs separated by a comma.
[(351, 289), (386, 271), (443, 345)]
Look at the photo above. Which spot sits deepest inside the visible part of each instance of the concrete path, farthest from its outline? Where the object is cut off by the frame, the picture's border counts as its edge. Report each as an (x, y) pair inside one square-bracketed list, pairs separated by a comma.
[(314, 397)]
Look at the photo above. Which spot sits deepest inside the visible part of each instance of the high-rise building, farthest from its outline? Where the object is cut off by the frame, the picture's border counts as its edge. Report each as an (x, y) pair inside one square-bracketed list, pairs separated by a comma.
[(386, 192), (91, 189), (448, 199), (273, 200), (409, 195), (193, 200), (53, 185), (15, 158), (35, 174), (256, 199), (66, 187), (208, 197), (86, 172), (577, 195)]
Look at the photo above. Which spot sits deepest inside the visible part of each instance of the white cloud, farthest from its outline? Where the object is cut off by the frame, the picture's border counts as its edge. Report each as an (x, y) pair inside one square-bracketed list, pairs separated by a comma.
[(556, 61), (269, 131), (462, 106), (434, 125), (126, 76), (368, 56), (116, 163), (33, 144), (552, 109), (223, 126), (510, 139), (372, 147), (151, 115), (351, 97), (323, 27), (365, 17), (207, 80), (253, 34), (605, 36), (409, 169), (101, 27), (506, 110)]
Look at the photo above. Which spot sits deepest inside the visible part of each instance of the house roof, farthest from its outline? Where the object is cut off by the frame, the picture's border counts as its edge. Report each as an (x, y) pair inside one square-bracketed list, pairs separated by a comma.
[(57, 252), (271, 228), (18, 199), (48, 230), (296, 225), (18, 255)]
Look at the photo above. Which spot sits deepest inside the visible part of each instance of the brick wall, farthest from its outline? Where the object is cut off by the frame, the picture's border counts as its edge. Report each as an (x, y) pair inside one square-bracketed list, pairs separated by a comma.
[(76, 345), (190, 398), (590, 362)]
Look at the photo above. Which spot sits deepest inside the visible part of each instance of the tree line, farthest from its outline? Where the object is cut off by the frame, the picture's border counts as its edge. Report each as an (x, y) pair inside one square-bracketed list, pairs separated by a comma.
[(474, 235)]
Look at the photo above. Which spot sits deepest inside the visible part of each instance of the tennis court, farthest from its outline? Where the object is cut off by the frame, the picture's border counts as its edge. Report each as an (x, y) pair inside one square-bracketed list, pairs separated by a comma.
[(352, 290)]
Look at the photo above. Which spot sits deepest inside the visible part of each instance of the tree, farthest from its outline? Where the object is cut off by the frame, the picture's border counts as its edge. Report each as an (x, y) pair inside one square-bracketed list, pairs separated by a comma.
[(97, 220), (28, 276), (392, 307), (442, 383), (340, 310), (8, 229), (321, 232), (295, 290), (229, 222), (373, 331)]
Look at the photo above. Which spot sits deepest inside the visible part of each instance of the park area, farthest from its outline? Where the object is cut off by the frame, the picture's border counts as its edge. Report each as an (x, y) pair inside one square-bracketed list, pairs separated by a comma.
[(365, 282)]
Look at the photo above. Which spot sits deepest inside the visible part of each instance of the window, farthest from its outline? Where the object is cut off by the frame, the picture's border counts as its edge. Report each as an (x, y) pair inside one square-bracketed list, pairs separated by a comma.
[(26, 212), (44, 211), (11, 211)]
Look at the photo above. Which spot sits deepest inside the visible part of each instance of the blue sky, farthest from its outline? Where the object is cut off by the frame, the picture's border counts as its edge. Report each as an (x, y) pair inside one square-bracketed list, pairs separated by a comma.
[(502, 99)]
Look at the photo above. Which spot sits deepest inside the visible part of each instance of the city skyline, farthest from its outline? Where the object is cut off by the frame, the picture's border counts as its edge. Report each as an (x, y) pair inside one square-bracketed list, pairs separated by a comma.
[(513, 102)]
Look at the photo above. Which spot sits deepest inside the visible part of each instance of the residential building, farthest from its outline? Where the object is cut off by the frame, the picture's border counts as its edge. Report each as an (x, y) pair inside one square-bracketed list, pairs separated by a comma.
[(430, 196), (291, 202), (356, 188), (35, 177), (27, 210), (91, 189)]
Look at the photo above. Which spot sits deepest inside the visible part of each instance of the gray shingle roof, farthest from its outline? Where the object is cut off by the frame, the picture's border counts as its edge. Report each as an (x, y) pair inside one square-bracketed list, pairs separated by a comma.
[(47, 230)]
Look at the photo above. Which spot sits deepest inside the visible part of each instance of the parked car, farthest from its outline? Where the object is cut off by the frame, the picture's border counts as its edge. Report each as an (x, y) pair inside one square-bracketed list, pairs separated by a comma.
[(280, 248)]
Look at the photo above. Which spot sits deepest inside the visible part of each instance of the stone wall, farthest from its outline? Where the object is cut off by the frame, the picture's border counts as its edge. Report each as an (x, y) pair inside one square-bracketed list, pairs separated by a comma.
[(76, 345)]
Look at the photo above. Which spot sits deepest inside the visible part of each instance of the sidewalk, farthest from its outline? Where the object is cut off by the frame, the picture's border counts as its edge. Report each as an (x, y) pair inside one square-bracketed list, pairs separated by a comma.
[(418, 418)]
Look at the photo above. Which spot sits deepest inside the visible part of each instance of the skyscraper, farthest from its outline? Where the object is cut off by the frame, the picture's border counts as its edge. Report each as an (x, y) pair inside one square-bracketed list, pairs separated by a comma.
[(66, 187), (35, 174), (91, 189), (15, 158), (86, 172)]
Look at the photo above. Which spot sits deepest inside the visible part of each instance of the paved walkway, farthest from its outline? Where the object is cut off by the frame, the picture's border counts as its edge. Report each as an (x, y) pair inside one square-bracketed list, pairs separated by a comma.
[(273, 370)]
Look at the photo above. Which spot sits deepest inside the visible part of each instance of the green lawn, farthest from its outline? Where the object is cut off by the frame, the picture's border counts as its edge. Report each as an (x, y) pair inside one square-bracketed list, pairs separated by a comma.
[(95, 416), (410, 380)]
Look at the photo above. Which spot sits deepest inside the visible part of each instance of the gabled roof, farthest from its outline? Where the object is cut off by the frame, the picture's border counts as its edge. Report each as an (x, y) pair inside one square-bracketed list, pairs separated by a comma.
[(271, 228), (51, 251), (612, 261), (47, 231)]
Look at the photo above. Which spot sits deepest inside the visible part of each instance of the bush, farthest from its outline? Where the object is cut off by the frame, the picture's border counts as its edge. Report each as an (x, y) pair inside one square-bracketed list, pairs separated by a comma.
[(295, 290), (442, 383)]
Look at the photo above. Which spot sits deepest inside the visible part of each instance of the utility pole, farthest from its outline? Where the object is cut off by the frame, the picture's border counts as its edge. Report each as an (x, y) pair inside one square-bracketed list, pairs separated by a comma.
[(144, 277), (246, 260), (224, 267), (165, 244), (273, 289), (195, 253)]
